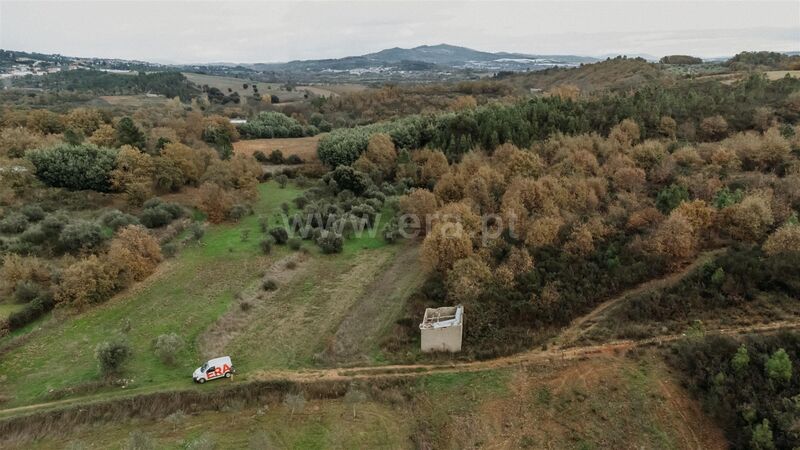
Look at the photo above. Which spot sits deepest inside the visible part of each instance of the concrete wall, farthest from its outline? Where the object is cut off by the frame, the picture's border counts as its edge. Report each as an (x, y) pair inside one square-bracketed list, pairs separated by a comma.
[(446, 339)]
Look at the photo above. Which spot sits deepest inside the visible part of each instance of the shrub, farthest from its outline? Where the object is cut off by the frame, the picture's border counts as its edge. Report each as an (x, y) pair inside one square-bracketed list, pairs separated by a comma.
[(269, 284), (282, 180), (348, 178), (32, 311), (111, 355), (87, 281), (53, 224), (139, 440), (14, 223), (80, 235), (27, 290), (266, 245), (215, 201), (295, 243), (34, 235), (276, 157), (330, 242), (197, 231), (158, 213), (169, 249), (167, 347), (155, 217), (239, 211), (294, 160), (74, 167), (260, 156), (134, 253), (34, 213), (280, 235), (116, 219)]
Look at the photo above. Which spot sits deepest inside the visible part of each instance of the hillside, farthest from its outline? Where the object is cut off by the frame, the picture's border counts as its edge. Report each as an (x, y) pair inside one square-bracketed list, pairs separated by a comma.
[(435, 56), (611, 74)]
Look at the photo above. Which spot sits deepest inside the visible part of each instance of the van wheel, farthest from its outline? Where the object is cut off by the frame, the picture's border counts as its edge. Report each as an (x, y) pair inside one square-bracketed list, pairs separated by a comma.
[(201, 380), (227, 374)]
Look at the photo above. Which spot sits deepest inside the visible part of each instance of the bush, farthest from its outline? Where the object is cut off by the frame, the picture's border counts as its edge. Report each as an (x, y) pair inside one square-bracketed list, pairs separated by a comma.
[(197, 230), (280, 235), (169, 249), (34, 213), (116, 219), (111, 356), (348, 178), (53, 224), (282, 180), (34, 235), (266, 245), (80, 235), (88, 281), (276, 157), (239, 211), (260, 156), (269, 284), (14, 223), (294, 160), (158, 213), (330, 242), (32, 311), (295, 243), (139, 440), (74, 167), (167, 347)]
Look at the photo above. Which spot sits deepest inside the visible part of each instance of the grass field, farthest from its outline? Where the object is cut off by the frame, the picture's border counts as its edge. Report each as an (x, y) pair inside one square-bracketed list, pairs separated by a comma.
[(321, 425), (199, 292), (184, 296)]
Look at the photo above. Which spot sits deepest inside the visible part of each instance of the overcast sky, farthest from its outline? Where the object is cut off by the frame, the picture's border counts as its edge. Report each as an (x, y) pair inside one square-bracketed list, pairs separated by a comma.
[(232, 31)]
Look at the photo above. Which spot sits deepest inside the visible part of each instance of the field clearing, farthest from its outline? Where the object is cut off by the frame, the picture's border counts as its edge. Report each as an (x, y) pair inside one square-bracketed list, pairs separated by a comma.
[(334, 90), (133, 100), (184, 296), (730, 78), (305, 147), (190, 295), (237, 85), (778, 74)]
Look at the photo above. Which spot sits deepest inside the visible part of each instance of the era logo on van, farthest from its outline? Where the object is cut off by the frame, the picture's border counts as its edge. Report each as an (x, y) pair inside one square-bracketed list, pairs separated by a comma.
[(219, 371)]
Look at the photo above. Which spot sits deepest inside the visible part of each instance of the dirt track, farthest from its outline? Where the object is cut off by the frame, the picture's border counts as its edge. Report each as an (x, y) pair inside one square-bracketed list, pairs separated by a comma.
[(585, 322)]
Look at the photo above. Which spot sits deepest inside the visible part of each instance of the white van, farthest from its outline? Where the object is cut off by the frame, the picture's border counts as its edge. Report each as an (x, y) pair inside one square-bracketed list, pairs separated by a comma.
[(213, 369)]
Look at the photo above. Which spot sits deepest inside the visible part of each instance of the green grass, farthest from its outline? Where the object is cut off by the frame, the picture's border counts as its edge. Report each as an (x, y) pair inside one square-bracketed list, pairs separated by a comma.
[(323, 424), (6, 309), (189, 294)]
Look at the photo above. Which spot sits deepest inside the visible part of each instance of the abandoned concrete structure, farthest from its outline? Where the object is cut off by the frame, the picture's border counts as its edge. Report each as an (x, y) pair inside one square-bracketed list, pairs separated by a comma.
[(441, 329)]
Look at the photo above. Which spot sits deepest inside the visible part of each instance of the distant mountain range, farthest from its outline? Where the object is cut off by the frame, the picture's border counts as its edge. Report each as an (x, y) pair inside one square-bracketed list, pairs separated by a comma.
[(429, 57)]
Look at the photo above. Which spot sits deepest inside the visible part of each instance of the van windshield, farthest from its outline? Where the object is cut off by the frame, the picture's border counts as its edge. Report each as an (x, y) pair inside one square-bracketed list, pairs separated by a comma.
[(204, 367)]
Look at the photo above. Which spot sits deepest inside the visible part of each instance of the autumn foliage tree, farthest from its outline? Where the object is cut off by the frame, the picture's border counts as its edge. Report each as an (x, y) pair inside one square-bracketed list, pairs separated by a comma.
[(134, 252)]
